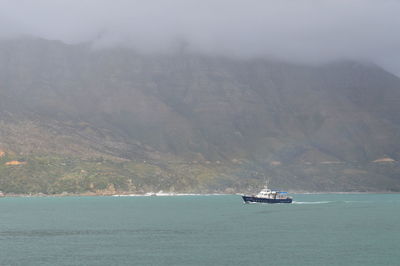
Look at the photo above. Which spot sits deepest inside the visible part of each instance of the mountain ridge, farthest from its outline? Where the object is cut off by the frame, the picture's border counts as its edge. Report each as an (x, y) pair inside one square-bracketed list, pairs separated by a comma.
[(231, 121)]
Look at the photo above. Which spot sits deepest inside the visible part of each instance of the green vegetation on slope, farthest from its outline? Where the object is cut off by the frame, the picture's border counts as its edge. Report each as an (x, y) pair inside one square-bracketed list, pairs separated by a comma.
[(56, 175)]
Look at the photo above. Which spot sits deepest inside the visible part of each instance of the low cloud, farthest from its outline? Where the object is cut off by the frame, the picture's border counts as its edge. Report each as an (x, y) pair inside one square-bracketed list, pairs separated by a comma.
[(307, 31)]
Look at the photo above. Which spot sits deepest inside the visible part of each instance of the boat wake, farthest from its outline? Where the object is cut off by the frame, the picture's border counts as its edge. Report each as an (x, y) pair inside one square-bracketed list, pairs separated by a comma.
[(311, 202)]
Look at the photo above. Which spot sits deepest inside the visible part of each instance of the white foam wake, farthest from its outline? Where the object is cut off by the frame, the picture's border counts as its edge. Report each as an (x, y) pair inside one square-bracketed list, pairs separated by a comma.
[(310, 202)]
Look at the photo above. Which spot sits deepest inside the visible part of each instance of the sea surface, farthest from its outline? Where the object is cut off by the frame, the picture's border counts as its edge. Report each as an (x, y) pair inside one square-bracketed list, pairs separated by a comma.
[(317, 229)]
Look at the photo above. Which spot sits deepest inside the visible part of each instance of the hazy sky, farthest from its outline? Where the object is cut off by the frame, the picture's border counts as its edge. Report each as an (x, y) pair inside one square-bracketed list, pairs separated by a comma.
[(297, 30)]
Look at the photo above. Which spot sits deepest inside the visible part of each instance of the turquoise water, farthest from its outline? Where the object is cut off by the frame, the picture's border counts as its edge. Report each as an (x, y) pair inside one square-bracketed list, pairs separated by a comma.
[(324, 229)]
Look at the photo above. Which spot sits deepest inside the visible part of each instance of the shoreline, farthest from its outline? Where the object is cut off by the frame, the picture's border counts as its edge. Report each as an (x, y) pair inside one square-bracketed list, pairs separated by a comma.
[(165, 194)]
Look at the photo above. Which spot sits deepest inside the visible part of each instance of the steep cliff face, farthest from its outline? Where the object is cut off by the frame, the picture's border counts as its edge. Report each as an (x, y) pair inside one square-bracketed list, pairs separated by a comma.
[(272, 117)]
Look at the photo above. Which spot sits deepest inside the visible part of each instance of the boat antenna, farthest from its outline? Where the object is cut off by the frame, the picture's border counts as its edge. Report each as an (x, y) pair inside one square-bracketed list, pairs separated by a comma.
[(266, 181)]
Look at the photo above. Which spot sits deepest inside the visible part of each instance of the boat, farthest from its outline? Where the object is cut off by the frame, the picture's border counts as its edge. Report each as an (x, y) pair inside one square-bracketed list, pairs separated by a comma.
[(267, 195)]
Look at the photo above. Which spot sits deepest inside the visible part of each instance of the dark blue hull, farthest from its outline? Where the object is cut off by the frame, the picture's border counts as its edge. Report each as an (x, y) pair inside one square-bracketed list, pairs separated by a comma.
[(250, 199)]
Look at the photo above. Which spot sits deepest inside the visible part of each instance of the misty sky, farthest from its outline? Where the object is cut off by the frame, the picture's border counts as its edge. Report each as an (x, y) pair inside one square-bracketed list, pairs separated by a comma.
[(296, 30)]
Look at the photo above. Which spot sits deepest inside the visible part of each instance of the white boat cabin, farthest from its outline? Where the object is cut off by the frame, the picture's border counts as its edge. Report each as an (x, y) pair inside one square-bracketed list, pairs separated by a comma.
[(271, 194)]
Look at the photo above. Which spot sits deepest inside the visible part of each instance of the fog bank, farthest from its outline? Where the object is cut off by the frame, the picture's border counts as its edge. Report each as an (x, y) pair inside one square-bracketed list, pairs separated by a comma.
[(301, 31)]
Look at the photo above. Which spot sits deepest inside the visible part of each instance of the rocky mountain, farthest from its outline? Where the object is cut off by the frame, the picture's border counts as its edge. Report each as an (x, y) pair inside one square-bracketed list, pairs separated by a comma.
[(80, 119)]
